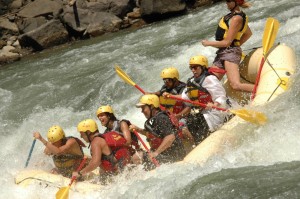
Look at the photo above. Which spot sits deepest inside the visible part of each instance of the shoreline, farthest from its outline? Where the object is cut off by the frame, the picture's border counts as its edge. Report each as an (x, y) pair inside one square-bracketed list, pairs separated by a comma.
[(26, 31)]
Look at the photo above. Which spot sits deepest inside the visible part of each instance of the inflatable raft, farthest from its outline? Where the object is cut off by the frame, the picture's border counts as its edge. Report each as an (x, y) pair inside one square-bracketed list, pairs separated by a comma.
[(280, 64), (278, 67)]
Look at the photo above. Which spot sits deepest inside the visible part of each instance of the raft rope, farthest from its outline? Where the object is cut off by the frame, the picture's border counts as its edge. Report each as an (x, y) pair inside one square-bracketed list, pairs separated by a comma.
[(38, 179), (281, 81)]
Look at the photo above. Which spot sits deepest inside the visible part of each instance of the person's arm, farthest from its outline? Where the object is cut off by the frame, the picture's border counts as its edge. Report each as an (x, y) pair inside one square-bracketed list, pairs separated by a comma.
[(166, 143), (51, 149), (96, 148), (63, 149), (236, 23), (246, 35), (216, 90), (138, 129), (126, 132), (184, 112)]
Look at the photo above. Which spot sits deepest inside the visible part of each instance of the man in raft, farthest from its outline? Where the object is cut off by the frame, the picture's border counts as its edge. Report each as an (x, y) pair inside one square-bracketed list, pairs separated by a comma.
[(107, 150), (108, 119), (205, 88), (173, 85), (161, 132), (67, 151)]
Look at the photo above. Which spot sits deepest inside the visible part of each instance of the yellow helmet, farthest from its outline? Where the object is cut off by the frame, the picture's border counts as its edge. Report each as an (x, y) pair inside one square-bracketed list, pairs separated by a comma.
[(149, 99), (87, 125), (199, 60), (170, 72), (104, 109), (55, 133)]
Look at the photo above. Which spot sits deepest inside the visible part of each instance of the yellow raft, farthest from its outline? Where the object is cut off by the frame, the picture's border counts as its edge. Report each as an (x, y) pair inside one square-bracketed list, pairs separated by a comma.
[(275, 77)]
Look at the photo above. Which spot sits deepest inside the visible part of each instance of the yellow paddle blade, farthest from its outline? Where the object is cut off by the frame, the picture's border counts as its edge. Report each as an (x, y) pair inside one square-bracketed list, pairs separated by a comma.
[(251, 116), (124, 76), (63, 193), (270, 32)]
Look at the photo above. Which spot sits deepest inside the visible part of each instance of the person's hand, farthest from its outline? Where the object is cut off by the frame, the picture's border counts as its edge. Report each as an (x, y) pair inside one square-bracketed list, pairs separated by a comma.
[(75, 174), (133, 127), (205, 42), (166, 95), (152, 154), (209, 106), (37, 135)]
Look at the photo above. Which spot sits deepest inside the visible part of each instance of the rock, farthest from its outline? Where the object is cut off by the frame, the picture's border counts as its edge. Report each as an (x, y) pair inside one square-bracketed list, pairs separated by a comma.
[(2, 43), (150, 7), (16, 5), (28, 24), (41, 8), (6, 24), (135, 14), (48, 35), (92, 23), (117, 7), (7, 56)]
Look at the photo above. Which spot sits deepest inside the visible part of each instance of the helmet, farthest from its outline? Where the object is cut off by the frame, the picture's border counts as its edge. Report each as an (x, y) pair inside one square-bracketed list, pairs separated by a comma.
[(170, 72), (87, 125), (104, 109), (149, 99), (199, 60), (55, 133)]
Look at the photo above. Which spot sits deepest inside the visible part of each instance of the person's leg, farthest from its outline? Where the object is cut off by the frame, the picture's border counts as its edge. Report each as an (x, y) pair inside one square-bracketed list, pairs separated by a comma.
[(233, 76)]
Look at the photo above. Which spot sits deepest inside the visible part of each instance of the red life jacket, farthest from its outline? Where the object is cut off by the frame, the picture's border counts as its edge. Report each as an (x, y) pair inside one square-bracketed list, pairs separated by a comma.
[(117, 128), (120, 155)]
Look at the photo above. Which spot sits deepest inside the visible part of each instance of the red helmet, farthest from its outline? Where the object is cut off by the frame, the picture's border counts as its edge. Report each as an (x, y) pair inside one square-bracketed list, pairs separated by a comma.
[(240, 2)]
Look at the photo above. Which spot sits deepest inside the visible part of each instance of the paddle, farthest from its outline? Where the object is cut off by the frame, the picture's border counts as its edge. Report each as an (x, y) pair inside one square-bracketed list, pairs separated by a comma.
[(248, 115), (63, 193), (30, 152), (127, 79), (145, 146), (270, 32)]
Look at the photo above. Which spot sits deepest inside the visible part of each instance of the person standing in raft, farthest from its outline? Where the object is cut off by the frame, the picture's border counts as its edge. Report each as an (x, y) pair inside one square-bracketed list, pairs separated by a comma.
[(232, 32), (107, 118), (170, 77), (205, 88), (67, 151), (161, 133), (107, 150)]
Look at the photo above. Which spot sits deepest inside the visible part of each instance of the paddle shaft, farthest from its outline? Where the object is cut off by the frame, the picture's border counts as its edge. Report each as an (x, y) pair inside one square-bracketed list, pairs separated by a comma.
[(140, 89), (78, 169), (30, 152), (197, 103), (145, 146)]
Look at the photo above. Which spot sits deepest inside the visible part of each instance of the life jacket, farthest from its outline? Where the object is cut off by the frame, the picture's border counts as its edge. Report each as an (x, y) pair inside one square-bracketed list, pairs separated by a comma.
[(67, 163), (223, 28), (117, 128), (153, 138), (171, 104), (195, 90), (120, 155)]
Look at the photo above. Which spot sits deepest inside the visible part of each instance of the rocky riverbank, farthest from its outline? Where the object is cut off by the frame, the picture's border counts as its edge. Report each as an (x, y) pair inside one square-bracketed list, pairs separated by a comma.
[(30, 26)]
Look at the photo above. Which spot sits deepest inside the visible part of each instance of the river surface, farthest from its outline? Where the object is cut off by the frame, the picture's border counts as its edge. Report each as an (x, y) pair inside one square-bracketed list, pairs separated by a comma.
[(66, 85)]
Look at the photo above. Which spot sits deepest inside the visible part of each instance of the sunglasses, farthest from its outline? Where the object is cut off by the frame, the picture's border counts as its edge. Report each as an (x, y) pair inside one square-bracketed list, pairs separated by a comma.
[(166, 80), (228, 1)]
